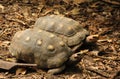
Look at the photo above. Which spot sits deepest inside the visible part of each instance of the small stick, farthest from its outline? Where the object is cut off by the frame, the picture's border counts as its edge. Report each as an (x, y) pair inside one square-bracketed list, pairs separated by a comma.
[(8, 65), (99, 72)]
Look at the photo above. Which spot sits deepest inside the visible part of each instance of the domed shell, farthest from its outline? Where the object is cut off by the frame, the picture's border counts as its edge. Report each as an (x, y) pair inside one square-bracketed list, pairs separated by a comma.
[(70, 30), (58, 24), (40, 47)]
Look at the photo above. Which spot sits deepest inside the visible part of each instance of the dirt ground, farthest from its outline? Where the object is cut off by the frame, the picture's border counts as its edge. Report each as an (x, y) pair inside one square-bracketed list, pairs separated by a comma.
[(101, 17)]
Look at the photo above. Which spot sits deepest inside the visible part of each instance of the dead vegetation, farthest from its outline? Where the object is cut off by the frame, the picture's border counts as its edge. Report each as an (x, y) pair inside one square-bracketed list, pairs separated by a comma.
[(100, 17)]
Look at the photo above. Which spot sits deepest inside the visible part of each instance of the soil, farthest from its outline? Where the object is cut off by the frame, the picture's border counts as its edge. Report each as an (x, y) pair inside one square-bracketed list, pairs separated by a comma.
[(100, 17)]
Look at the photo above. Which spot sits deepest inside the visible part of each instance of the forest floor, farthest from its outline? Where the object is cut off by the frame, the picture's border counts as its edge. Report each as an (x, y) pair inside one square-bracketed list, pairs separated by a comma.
[(101, 17)]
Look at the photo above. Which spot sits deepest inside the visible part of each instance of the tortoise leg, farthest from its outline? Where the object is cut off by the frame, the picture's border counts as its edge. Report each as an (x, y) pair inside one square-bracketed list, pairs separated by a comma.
[(76, 47), (92, 38), (56, 70), (75, 58)]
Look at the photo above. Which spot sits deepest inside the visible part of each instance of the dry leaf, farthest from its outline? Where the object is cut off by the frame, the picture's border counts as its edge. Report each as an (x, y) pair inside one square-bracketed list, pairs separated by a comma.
[(5, 43), (56, 12), (75, 11), (94, 52), (21, 71), (2, 76), (47, 11), (72, 77), (67, 1), (1, 8), (115, 2), (80, 1)]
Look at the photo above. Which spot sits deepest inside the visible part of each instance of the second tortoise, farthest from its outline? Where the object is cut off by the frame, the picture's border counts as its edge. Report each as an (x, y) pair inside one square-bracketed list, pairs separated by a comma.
[(71, 31)]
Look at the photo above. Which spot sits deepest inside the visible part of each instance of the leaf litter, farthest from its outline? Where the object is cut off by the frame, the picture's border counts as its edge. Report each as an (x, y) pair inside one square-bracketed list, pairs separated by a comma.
[(101, 17)]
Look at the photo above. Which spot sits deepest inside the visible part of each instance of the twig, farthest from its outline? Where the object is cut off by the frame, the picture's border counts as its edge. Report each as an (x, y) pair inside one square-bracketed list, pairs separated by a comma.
[(17, 20), (99, 72), (112, 2), (109, 58)]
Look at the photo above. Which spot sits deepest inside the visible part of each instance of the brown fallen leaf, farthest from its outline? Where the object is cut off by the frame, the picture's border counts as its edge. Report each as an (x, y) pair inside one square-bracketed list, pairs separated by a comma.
[(73, 77), (67, 1), (2, 76), (115, 2), (75, 11), (56, 12), (94, 52), (1, 8), (47, 11), (8, 65), (80, 1)]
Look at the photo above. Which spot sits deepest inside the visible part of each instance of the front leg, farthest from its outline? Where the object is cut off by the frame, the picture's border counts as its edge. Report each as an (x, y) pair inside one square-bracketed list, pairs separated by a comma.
[(75, 58), (75, 48), (56, 70)]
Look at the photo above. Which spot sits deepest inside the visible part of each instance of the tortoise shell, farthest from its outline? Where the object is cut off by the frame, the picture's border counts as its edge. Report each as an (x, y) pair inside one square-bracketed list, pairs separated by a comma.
[(70, 30), (40, 47)]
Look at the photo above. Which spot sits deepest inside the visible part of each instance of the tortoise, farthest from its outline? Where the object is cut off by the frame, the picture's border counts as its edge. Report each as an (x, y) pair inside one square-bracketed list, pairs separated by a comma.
[(43, 48), (72, 33)]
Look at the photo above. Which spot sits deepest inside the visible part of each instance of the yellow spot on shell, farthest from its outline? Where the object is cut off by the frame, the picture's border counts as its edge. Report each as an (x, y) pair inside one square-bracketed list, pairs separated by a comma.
[(61, 25), (39, 42), (27, 39), (52, 35), (62, 43), (69, 28), (50, 47), (39, 31), (43, 21)]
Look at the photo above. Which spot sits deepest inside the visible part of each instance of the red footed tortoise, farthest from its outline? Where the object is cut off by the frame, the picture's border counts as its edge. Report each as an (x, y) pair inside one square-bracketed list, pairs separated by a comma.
[(72, 33), (44, 49)]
